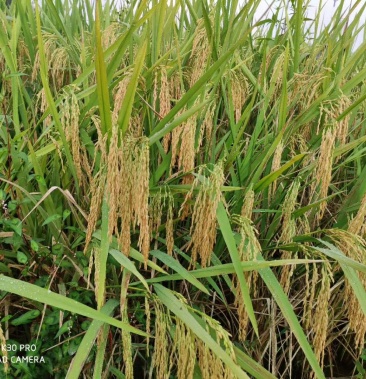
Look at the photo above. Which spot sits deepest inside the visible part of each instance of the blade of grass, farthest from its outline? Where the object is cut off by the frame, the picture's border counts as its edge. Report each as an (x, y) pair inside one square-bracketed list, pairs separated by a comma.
[(284, 304), (87, 342), (176, 266), (33, 292), (227, 233)]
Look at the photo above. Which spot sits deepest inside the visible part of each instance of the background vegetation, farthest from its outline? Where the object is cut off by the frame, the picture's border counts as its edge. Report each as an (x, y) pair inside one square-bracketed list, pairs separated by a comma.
[(183, 190)]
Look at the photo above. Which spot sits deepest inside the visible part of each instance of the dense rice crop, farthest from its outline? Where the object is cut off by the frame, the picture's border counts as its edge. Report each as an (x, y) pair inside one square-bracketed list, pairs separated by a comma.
[(183, 191)]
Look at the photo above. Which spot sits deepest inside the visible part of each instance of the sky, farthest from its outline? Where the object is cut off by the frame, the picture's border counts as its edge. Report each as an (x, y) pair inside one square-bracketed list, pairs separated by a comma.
[(328, 10)]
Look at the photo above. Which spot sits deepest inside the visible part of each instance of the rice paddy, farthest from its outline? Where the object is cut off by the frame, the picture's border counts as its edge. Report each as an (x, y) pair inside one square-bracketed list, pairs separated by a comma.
[(182, 191)]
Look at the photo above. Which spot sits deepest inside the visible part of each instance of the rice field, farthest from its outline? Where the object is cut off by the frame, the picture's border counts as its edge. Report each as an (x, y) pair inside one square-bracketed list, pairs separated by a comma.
[(183, 191)]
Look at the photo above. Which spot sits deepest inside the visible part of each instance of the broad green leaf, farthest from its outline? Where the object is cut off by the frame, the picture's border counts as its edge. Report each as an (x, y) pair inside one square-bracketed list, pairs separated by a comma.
[(125, 262), (26, 318), (286, 307), (227, 233), (87, 343), (51, 219), (229, 268), (176, 266), (33, 292)]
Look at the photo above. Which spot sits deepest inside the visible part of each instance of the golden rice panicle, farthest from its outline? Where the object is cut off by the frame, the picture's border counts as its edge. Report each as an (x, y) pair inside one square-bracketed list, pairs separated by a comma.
[(49, 41), (90, 269), (75, 138), (162, 203), (248, 249), (140, 196), (323, 170), (211, 366), (125, 197), (277, 72), (133, 196), (288, 229), (110, 35), (2, 62), (304, 89), (321, 314), (353, 246), (311, 285), (113, 181), (127, 349), (135, 124), (5, 82), (183, 148), (70, 113), (97, 283), (174, 140), (207, 126), (101, 144), (169, 228), (23, 57), (148, 323), (358, 223), (187, 150), (42, 105), (155, 213), (65, 118), (175, 84), (59, 64), (97, 191), (288, 232), (164, 92), (200, 53), (248, 204), (276, 164), (342, 126), (185, 348), (161, 355), (203, 227), (119, 94), (239, 92)]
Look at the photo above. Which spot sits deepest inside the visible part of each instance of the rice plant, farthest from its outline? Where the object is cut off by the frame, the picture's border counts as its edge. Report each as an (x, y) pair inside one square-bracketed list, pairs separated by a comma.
[(182, 190)]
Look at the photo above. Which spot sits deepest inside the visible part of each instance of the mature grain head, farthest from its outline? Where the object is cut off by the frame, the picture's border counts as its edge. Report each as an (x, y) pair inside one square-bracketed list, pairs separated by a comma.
[(203, 227), (353, 246), (160, 359), (200, 53), (248, 249), (321, 314), (59, 64), (113, 180), (357, 225), (127, 349), (323, 171), (240, 92), (185, 346), (119, 94), (276, 164), (96, 192), (288, 231)]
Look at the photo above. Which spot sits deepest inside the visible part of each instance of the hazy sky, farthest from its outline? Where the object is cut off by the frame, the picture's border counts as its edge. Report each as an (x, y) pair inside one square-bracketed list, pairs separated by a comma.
[(328, 9)]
